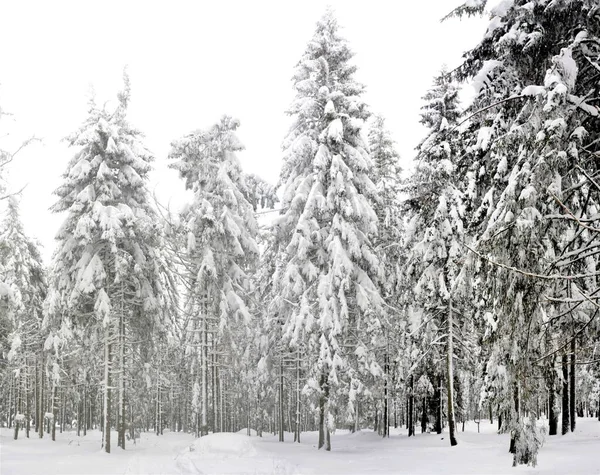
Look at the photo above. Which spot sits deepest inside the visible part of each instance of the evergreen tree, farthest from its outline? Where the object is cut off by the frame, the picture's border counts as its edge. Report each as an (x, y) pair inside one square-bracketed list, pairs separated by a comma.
[(220, 232), (435, 233), (326, 286), (109, 273), (530, 130), (22, 271), (387, 178)]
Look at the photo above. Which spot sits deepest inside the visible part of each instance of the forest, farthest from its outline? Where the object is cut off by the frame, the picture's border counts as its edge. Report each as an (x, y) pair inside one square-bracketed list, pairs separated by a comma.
[(352, 294)]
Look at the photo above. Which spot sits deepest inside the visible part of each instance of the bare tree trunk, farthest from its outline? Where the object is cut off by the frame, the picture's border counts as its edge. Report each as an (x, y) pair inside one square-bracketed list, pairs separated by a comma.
[(281, 437), (107, 389), (54, 409), (424, 416), (27, 404), (552, 413), (298, 395), (85, 408), (203, 372), (324, 438), (40, 416), (386, 422), (121, 408), (450, 370), (438, 405), (410, 408), (18, 396), (572, 401), (565, 395)]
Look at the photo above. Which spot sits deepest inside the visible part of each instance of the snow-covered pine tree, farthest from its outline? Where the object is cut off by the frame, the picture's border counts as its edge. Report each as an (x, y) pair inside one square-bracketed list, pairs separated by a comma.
[(327, 283), (109, 276), (220, 233), (22, 271), (387, 178), (435, 233), (535, 119)]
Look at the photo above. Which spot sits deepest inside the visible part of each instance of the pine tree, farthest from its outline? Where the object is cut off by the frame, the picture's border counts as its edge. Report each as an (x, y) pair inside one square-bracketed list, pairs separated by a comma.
[(326, 285), (220, 232), (109, 274), (387, 178), (22, 271), (530, 129), (436, 213)]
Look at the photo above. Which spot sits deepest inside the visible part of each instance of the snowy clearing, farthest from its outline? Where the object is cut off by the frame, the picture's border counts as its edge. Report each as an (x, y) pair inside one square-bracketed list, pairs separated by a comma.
[(359, 453)]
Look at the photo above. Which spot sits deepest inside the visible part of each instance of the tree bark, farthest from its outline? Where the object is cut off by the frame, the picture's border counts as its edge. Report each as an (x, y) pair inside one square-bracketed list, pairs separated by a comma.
[(281, 426), (298, 396), (552, 413), (438, 405), (424, 416), (565, 395), (386, 416), (450, 375), (572, 413), (324, 438), (411, 407), (107, 390)]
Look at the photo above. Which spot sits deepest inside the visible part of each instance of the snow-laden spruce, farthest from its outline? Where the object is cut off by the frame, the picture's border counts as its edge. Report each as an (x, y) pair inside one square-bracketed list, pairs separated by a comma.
[(435, 231), (220, 232), (108, 283), (326, 284), (530, 136), (23, 274)]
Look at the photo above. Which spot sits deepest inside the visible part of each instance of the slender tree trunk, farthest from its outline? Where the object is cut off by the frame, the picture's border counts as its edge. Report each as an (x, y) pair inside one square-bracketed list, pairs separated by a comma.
[(298, 395), (107, 389), (513, 438), (40, 416), (552, 413), (281, 428), (85, 408), (17, 405), (572, 413), (54, 409), (450, 370), (410, 409), (386, 422), (438, 405), (565, 395), (121, 409), (203, 373), (424, 416), (324, 439)]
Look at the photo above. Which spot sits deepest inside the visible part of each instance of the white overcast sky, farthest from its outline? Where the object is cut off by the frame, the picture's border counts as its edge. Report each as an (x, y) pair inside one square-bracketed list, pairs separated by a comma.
[(192, 61)]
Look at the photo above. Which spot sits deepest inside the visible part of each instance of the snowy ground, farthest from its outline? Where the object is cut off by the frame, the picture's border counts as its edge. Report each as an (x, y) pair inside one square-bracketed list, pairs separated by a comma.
[(360, 453)]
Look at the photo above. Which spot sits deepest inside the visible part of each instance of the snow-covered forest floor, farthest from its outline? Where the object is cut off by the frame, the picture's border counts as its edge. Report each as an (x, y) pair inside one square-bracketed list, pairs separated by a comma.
[(363, 452)]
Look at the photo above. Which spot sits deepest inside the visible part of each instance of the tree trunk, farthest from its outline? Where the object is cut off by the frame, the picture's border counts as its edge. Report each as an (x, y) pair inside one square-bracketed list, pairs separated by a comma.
[(438, 405), (572, 414), (324, 438), (298, 396), (281, 427), (513, 437), (54, 409), (450, 371), (40, 404), (552, 413), (386, 410), (121, 408), (424, 416), (410, 410), (204, 369), (565, 395), (107, 389)]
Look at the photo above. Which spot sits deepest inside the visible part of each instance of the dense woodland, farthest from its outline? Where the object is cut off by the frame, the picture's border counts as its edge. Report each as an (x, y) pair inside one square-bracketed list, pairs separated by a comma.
[(346, 296)]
